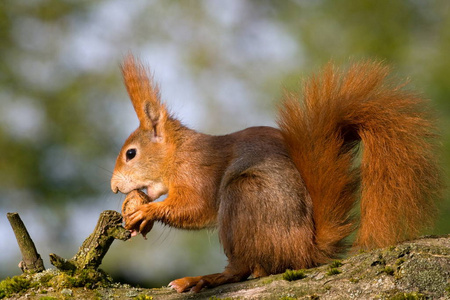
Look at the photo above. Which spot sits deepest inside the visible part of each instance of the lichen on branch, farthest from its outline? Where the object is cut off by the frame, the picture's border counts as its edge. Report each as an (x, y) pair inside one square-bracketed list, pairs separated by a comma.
[(90, 255)]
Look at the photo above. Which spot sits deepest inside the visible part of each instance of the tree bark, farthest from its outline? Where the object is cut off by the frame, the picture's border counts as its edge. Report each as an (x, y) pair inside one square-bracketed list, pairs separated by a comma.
[(31, 260), (94, 248)]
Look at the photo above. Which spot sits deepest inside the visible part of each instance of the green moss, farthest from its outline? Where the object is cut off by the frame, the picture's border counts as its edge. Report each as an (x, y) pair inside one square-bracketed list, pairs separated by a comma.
[(98, 295), (333, 271), (408, 296), (48, 298), (388, 270), (354, 280), (44, 280), (87, 278), (336, 264), (39, 282), (15, 285), (291, 275), (333, 268), (143, 297)]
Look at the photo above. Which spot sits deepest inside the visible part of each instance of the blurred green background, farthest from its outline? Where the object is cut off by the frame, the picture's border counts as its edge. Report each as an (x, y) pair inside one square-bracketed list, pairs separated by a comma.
[(221, 65)]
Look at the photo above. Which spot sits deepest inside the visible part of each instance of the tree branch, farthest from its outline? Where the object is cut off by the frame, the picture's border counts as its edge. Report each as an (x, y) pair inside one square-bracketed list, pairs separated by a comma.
[(31, 260), (94, 248)]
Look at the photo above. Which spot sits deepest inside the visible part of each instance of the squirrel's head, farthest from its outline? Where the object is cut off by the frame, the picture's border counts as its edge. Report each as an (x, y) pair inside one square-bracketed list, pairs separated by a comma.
[(142, 162)]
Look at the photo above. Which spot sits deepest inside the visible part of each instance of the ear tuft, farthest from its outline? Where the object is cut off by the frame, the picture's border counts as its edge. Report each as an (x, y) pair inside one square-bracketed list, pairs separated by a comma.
[(152, 113), (144, 94)]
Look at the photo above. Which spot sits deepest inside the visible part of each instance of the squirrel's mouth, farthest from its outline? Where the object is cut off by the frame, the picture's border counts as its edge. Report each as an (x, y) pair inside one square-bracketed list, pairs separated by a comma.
[(154, 190), (144, 190)]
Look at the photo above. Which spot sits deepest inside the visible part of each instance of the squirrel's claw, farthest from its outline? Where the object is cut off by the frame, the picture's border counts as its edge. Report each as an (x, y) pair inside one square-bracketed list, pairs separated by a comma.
[(137, 222), (183, 284)]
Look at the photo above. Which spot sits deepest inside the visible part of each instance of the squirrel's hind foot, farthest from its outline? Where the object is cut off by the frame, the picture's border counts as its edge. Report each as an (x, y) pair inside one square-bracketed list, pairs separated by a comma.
[(196, 284)]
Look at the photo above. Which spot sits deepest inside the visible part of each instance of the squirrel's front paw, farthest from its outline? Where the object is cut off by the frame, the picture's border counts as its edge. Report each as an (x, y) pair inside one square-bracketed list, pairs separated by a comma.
[(134, 222)]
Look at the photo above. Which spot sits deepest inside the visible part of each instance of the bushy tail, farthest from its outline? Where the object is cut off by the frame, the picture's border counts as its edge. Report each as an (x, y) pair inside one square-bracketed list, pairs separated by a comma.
[(398, 178)]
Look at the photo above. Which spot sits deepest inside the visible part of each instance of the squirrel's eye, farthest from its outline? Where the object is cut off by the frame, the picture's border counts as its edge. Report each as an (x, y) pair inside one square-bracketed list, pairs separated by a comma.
[(130, 154)]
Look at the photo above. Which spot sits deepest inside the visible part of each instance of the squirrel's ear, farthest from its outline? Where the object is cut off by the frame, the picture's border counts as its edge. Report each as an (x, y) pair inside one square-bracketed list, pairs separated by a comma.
[(144, 95)]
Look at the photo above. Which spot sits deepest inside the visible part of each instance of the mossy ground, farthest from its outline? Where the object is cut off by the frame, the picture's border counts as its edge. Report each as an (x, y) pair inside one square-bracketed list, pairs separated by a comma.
[(51, 281), (14, 285), (412, 270), (291, 275)]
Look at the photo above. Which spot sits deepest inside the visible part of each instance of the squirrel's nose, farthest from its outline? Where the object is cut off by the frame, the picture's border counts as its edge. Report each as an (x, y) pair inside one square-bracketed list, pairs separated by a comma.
[(114, 186)]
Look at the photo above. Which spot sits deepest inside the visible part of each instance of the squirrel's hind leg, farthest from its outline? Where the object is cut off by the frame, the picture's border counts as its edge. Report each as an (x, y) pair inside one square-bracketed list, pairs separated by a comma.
[(196, 284)]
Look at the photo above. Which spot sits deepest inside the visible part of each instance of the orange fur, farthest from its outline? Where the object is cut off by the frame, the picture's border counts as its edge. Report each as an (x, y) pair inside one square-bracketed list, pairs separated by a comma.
[(140, 88), (283, 198), (399, 174)]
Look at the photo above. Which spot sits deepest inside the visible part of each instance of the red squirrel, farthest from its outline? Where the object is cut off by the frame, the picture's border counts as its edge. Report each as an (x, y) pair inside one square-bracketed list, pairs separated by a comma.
[(285, 198)]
